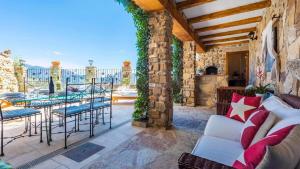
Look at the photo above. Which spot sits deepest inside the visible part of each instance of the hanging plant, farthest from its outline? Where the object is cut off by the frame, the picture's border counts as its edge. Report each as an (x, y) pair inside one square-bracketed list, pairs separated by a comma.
[(177, 53), (140, 18)]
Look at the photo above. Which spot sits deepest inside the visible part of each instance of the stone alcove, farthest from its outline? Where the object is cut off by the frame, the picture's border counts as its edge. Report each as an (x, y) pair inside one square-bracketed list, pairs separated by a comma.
[(211, 70)]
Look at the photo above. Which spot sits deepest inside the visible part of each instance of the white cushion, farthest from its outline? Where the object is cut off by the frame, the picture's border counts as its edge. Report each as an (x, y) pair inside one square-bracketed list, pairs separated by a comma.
[(217, 149), (224, 127), (280, 108), (284, 123)]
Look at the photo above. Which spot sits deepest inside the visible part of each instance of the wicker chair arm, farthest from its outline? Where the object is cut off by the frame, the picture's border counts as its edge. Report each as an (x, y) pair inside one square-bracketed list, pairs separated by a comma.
[(190, 161)]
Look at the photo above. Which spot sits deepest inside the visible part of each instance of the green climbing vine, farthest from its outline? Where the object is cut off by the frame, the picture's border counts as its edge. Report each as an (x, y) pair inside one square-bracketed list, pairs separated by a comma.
[(177, 69), (140, 18)]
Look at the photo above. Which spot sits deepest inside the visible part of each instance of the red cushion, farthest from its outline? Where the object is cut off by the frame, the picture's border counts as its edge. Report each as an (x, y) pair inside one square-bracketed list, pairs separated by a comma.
[(253, 155), (242, 107), (252, 125)]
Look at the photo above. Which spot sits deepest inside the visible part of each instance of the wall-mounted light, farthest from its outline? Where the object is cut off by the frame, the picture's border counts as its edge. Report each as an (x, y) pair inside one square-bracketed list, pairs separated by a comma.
[(252, 35), (275, 16)]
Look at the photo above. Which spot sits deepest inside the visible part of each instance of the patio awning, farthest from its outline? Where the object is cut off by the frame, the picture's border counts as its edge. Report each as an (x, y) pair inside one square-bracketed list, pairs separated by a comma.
[(211, 22)]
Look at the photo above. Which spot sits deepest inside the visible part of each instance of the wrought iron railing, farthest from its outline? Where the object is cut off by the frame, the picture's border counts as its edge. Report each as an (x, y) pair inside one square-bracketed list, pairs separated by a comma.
[(40, 75)]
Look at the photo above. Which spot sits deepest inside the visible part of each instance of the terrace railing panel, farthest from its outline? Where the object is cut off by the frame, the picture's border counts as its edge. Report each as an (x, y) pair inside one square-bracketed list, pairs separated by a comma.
[(39, 77)]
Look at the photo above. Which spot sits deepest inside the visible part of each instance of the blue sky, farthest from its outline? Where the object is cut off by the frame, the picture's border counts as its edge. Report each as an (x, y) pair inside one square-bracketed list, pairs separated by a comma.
[(72, 31)]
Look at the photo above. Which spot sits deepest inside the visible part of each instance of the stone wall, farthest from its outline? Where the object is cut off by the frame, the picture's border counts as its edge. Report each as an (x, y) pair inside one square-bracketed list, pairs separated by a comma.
[(160, 67), (8, 81), (189, 73), (288, 43), (207, 86), (20, 74), (217, 57)]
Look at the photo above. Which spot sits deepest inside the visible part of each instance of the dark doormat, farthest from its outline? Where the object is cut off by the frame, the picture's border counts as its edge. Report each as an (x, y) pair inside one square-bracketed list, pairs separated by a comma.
[(83, 151)]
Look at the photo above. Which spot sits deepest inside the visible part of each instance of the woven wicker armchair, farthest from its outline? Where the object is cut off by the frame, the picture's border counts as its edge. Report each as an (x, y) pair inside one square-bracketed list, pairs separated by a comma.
[(224, 95)]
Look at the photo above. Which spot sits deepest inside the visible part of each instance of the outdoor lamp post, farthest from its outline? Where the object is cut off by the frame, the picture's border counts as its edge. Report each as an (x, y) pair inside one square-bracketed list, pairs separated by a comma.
[(91, 61), (22, 62)]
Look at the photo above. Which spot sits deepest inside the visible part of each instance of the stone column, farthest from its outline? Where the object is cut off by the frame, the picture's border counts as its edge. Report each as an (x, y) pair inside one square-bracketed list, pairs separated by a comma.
[(160, 67), (189, 72), (90, 72), (126, 73), (20, 73), (55, 72), (8, 81)]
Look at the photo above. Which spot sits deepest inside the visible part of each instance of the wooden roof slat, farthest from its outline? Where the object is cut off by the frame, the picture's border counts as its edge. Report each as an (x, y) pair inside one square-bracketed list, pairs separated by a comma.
[(246, 30), (225, 40), (232, 11), (230, 24), (191, 3), (227, 44), (170, 6)]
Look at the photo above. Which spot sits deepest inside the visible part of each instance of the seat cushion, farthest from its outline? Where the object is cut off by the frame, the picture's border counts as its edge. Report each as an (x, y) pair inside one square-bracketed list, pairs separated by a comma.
[(11, 114), (96, 105), (217, 149), (223, 127), (280, 108)]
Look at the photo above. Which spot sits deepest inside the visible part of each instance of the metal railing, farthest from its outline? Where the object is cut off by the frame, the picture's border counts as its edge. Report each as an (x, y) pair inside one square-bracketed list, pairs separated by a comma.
[(78, 75)]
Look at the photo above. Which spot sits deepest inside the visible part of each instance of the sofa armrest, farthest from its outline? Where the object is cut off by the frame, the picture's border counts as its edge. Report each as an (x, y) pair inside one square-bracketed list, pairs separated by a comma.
[(190, 161), (224, 127)]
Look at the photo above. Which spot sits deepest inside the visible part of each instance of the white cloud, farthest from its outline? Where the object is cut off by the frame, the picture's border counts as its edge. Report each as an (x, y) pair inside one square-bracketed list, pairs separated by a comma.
[(56, 53)]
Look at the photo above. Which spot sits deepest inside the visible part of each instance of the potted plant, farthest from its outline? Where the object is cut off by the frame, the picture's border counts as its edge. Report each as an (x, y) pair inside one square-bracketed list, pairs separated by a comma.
[(140, 114), (261, 89)]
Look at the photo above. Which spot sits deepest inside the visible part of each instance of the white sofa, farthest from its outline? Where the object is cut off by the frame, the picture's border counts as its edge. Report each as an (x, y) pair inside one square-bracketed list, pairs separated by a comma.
[(221, 139)]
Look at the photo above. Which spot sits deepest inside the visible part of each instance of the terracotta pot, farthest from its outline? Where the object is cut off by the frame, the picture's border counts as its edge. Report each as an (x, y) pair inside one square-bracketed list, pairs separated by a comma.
[(142, 124)]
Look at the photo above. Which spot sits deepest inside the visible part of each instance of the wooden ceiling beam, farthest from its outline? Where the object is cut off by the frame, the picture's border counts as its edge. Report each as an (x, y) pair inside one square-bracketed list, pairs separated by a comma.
[(230, 24), (191, 3), (232, 11), (171, 8), (227, 44), (228, 33), (225, 40)]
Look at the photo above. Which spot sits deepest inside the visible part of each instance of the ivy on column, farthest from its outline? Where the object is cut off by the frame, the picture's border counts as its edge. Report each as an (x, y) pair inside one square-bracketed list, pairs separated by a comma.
[(140, 18), (177, 53)]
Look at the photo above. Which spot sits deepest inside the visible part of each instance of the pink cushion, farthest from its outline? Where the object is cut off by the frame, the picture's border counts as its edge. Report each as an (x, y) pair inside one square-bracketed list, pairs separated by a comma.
[(252, 125), (254, 154), (242, 107)]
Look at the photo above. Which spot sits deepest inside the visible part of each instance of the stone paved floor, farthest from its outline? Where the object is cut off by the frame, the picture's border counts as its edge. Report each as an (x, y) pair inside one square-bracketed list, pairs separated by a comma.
[(131, 147), (27, 149)]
